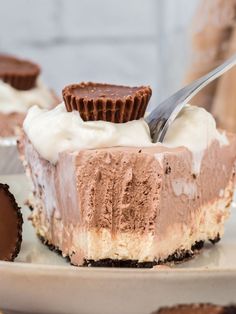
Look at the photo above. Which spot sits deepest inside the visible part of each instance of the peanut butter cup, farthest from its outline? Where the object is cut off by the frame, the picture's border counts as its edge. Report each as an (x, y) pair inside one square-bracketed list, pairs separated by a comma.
[(113, 103), (10, 225), (20, 74), (198, 309)]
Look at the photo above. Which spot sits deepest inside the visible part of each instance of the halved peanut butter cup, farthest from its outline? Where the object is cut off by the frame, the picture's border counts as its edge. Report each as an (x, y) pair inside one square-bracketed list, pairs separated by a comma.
[(113, 103), (10, 225), (20, 74)]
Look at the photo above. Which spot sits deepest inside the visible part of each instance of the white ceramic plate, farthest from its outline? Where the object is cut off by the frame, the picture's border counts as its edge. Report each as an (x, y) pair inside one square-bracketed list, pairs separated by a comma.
[(40, 281)]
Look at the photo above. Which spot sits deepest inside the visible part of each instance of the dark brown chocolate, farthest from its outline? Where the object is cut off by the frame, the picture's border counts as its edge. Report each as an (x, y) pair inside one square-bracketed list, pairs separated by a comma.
[(20, 74), (113, 103), (10, 225), (198, 309)]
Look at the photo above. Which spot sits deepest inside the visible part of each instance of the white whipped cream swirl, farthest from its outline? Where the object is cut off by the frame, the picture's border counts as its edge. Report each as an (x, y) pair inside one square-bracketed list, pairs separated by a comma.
[(54, 131), (14, 100), (57, 130), (194, 128)]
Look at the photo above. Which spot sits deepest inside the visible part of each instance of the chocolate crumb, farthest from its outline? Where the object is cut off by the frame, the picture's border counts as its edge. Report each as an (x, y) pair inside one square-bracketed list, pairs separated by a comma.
[(216, 240), (168, 170)]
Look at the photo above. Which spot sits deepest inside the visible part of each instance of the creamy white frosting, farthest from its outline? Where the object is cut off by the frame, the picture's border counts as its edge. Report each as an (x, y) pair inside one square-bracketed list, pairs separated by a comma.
[(56, 130), (194, 128), (181, 186), (13, 100)]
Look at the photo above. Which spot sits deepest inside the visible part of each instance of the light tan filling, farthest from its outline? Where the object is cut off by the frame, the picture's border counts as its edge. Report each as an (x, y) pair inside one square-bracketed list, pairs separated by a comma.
[(95, 244)]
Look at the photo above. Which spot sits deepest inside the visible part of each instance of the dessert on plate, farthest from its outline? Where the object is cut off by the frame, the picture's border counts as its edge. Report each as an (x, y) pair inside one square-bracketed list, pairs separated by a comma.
[(20, 88), (10, 225), (198, 309), (105, 195)]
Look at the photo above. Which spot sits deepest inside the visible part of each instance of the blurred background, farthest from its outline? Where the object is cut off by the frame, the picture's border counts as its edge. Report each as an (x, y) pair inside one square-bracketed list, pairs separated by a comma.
[(163, 43), (121, 41)]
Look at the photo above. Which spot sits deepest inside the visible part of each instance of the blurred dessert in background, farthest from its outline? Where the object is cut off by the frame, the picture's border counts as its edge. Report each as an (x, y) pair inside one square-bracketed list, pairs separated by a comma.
[(198, 309), (105, 195), (213, 41), (20, 88)]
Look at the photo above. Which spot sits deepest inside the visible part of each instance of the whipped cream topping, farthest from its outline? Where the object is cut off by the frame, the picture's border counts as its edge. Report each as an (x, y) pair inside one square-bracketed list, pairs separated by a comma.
[(54, 131), (194, 128), (13, 100), (57, 130)]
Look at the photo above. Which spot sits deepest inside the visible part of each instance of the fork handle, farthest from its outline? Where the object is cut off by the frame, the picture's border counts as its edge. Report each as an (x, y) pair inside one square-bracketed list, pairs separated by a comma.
[(200, 83), (159, 124)]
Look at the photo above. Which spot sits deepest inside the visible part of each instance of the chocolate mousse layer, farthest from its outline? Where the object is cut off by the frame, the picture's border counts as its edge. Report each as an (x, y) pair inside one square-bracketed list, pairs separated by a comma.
[(20, 74), (114, 103), (198, 309), (10, 225), (144, 205)]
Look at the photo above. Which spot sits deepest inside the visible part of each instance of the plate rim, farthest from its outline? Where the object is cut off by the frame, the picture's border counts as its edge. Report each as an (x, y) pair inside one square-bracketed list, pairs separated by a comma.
[(19, 267)]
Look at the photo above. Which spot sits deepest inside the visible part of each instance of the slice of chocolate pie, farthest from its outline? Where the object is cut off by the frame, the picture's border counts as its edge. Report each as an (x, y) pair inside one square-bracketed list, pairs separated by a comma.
[(105, 195)]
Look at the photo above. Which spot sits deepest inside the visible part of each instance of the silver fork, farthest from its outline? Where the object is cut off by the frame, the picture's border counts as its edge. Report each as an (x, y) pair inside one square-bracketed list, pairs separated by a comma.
[(165, 113)]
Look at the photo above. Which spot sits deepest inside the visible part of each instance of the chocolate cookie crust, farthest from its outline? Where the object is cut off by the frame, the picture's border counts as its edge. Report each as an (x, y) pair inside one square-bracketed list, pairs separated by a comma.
[(177, 257)]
